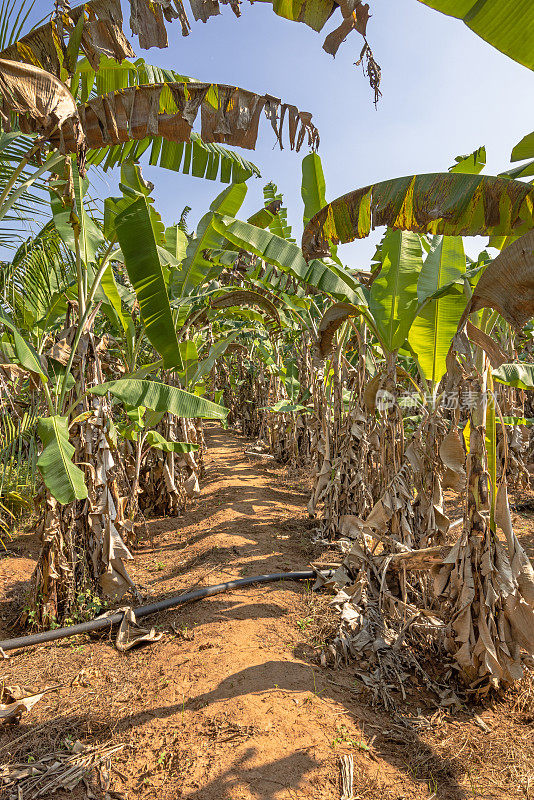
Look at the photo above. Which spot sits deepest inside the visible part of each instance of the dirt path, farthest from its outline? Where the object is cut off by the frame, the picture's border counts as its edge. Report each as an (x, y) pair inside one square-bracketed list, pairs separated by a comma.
[(231, 704)]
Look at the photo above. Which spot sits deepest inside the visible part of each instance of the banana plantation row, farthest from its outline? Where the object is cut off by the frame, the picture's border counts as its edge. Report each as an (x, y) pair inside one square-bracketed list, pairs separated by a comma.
[(395, 383)]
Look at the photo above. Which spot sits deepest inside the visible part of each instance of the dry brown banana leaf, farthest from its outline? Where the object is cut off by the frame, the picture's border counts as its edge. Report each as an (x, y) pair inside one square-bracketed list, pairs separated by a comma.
[(452, 204), (131, 633), (42, 101), (332, 319), (355, 14), (102, 34), (170, 109), (18, 703), (452, 454), (234, 348), (507, 285), (495, 353), (245, 297)]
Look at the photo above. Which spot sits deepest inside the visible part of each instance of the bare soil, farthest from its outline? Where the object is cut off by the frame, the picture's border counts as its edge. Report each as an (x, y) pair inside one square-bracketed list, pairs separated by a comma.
[(231, 704)]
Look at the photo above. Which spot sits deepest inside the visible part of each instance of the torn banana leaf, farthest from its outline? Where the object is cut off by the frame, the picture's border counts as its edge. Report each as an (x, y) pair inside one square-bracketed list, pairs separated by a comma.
[(44, 104), (452, 204), (147, 17), (229, 115), (95, 28), (200, 159)]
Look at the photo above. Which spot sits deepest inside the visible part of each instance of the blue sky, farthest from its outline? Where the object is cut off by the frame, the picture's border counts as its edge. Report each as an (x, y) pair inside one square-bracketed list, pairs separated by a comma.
[(445, 93)]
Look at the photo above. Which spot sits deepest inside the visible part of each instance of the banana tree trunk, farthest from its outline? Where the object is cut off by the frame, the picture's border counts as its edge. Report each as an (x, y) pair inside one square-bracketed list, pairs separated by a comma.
[(83, 550)]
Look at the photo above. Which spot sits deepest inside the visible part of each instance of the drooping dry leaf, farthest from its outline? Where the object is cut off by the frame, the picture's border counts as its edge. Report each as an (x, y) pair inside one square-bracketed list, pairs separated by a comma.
[(170, 110), (332, 319), (60, 351), (355, 17), (102, 34), (521, 566), (146, 20), (41, 100), (507, 285), (131, 633), (192, 486), (370, 391), (495, 353), (246, 297), (452, 454)]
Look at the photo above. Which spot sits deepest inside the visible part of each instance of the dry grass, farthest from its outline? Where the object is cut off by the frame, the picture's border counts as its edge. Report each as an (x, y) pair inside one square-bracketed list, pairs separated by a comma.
[(489, 750), (318, 621)]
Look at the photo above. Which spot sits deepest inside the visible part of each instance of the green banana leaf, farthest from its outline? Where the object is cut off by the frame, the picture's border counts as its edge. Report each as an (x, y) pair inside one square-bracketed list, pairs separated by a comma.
[(528, 422), (64, 480), (176, 242), (524, 149), (199, 159), (279, 224), (520, 375), (189, 353), (262, 218), (436, 323), (286, 407), (109, 287), (138, 244), (158, 442), (471, 164), (195, 267), (313, 186), (440, 203), (393, 296), (217, 350), (507, 26), (160, 397), (288, 258), (25, 353)]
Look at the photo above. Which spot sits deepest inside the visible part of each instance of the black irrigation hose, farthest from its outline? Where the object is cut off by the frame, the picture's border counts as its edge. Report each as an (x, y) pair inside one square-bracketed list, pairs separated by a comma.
[(151, 608)]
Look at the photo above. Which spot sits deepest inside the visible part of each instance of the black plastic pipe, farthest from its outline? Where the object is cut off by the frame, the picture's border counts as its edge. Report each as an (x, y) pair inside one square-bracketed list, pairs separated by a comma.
[(143, 611)]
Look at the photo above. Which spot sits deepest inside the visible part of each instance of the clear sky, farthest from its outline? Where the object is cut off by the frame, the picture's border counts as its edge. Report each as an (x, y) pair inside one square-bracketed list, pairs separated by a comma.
[(445, 93)]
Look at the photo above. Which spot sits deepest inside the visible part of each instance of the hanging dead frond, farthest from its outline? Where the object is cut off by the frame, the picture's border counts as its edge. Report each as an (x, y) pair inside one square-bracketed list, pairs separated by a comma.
[(246, 297), (355, 17), (452, 454), (494, 352), (43, 103), (332, 319), (507, 285), (102, 32), (355, 14), (371, 70), (229, 115), (101, 35)]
